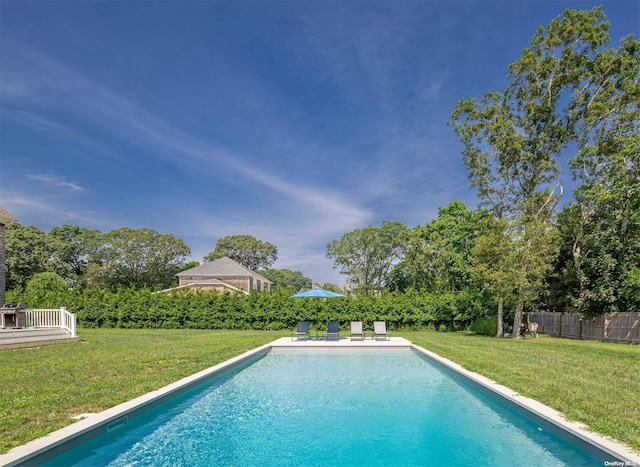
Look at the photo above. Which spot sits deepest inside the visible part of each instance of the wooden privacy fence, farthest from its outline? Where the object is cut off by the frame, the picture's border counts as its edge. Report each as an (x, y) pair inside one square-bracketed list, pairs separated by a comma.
[(613, 327)]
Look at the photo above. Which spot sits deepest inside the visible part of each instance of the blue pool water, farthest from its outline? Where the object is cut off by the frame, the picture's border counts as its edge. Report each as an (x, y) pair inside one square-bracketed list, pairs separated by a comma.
[(387, 409)]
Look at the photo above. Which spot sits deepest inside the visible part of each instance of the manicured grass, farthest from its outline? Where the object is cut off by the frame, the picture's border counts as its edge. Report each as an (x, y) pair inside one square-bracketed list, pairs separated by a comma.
[(592, 382), (42, 388)]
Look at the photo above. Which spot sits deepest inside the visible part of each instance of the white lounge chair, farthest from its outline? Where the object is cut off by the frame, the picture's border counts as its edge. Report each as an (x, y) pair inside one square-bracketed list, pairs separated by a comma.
[(380, 330), (356, 330)]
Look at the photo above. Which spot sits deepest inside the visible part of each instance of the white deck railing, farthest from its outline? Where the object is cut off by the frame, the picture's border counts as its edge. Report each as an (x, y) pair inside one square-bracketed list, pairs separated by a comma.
[(52, 318)]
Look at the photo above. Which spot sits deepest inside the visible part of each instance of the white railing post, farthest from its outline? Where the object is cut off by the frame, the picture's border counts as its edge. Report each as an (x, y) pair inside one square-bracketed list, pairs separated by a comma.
[(71, 326), (68, 321)]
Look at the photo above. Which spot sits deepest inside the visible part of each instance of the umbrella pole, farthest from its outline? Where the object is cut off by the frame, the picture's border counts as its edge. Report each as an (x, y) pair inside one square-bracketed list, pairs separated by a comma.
[(317, 315)]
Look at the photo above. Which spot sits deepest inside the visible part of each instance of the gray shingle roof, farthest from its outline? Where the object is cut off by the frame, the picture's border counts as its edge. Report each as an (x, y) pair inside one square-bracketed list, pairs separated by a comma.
[(6, 218), (204, 282), (222, 267)]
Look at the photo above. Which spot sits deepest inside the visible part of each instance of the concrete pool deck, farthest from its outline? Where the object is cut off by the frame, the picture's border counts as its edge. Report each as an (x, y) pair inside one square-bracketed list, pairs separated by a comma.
[(342, 343), (93, 424)]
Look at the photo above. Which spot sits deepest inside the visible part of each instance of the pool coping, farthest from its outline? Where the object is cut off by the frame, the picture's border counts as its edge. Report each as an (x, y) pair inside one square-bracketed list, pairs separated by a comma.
[(21, 455)]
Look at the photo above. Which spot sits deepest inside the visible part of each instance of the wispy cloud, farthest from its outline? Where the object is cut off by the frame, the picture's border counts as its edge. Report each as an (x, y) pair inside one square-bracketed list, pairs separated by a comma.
[(73, 92), (53, 128), (48, 213), (363, 44), (56, 181), (392, 93), (430, 87)]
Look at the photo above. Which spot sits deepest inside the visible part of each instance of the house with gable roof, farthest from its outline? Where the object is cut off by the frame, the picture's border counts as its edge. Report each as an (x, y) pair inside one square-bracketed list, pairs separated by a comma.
[(223, 274)]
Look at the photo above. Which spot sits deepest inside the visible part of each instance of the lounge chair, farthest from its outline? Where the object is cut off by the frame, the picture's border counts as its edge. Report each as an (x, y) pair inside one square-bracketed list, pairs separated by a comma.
[(356, 330), (333, 331), (380, 330), (302, 330)]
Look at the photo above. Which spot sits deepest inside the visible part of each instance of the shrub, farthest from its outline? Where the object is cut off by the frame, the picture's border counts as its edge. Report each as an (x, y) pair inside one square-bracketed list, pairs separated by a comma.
[(485, 326), (131, 308), (46, 290)]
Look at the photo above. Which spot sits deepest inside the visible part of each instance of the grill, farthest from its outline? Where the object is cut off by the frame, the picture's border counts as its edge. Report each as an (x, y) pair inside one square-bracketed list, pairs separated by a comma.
[(13, 315)]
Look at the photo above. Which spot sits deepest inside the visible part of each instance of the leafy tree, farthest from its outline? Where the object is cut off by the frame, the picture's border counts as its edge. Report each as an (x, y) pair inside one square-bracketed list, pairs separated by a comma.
[(414, 272), (512, 139), (438, 254), (72, 247), (450, 240), (286, 278), (46, 290), (602, 228), (246, 250), (5, 219), (562, 279), (332, 288), (189, 265), (632, 289), (138, 258), (28, 251), (368, 255), (494, 263)]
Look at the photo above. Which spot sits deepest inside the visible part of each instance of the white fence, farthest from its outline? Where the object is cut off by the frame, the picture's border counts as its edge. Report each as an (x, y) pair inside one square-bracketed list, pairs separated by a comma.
[(614, 327), (52, 318)]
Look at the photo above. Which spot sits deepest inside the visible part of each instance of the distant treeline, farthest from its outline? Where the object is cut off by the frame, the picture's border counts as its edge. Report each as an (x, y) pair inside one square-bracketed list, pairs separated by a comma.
[(125, 257)]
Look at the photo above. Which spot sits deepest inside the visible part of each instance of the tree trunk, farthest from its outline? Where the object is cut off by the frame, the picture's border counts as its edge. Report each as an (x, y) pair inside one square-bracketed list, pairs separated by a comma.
[(577, 264), (517, 319), (500, 313)]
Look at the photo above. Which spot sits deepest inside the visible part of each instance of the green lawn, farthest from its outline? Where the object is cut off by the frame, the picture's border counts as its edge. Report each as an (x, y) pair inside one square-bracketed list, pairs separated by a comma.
[(42, 388), (592, 382)]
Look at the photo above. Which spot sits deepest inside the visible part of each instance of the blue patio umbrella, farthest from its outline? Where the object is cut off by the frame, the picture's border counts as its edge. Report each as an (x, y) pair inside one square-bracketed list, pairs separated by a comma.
[(318, 293)]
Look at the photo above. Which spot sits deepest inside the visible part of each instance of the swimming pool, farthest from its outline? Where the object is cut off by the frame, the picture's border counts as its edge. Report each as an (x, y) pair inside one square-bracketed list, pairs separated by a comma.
[(313, 408)]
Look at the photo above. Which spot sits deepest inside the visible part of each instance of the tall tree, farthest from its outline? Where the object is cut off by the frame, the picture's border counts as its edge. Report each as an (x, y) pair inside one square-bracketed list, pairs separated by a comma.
[(28, 252), (494, 263), (5, 219), (246, 250), (512, 139), (139, 258), (603, 225), (366, 256), (287, 278), (450, 240), (438, 254), (72, 247), (415, 270)]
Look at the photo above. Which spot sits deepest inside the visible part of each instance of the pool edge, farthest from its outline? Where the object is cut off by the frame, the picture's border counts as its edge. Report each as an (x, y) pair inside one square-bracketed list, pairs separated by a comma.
[(552, 416)]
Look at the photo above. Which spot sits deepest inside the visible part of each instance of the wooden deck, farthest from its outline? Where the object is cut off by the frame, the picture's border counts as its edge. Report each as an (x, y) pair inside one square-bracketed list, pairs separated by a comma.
[(32, 337)]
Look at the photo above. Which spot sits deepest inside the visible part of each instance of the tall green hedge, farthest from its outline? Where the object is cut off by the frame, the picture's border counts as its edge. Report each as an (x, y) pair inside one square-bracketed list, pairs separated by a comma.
[(130, 308)]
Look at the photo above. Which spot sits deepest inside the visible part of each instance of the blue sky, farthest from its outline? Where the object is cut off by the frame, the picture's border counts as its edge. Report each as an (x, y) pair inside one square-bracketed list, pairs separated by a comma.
[(294, 122)]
